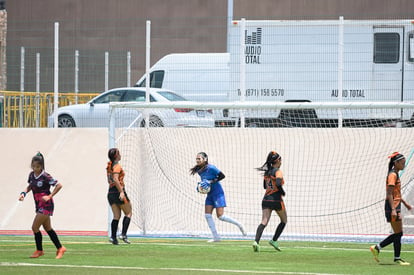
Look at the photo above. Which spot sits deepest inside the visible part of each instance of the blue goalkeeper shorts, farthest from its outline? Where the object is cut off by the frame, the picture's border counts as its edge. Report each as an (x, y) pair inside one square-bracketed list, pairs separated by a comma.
[(216, 200)]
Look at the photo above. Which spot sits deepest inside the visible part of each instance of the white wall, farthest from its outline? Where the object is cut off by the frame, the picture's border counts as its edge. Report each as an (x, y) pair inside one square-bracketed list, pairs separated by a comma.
[(76, 157), (326, 171)]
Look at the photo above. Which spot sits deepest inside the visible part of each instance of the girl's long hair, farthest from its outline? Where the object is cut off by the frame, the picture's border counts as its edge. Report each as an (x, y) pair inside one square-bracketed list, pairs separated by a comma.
[(197, 168), (112, 155), (272, 157)]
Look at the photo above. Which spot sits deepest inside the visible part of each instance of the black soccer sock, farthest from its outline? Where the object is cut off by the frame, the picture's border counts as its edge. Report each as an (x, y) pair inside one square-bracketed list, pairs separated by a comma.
[(38, 240), (279, 231), (259, 232), (114, 228), (387, 240), (125, 225), (397, 245), (53, 236)]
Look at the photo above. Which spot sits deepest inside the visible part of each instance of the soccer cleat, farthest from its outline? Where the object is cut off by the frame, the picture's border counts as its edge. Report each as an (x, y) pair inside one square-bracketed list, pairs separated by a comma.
[(125, 239), (256, 247), (375, 252), (401, 262), (215, 240), (113, 241), (274, 244), (37, 254), (242, 230), (60, 252)]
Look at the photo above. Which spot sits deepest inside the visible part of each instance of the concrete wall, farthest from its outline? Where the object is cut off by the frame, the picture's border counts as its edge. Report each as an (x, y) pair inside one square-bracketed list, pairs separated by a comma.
[(335, 178), (76, 157)]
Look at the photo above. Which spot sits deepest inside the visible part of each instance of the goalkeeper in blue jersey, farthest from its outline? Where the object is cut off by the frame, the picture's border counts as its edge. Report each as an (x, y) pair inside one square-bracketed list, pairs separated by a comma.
[(215, 198)]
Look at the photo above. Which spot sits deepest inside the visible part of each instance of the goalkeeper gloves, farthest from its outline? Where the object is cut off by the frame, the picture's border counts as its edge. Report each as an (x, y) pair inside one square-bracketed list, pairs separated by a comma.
[(205, 184)]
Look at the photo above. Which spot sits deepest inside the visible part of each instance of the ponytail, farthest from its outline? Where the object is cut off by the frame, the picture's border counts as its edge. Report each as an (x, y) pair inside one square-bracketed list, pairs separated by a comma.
[(272, 157), (112, 155)]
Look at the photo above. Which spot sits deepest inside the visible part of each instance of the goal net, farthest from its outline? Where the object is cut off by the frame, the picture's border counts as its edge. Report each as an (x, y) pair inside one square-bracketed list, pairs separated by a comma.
[(334, 163)]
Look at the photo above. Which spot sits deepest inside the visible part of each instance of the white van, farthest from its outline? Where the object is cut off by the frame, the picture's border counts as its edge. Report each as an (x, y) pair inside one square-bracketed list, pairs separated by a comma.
[(195, 76)]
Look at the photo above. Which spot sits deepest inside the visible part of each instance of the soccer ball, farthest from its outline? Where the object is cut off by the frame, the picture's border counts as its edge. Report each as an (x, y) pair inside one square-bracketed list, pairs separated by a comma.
[(203, 187)]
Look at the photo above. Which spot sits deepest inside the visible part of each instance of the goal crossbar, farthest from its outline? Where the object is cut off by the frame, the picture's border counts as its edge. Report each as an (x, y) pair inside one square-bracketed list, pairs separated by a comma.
[(266, 105)]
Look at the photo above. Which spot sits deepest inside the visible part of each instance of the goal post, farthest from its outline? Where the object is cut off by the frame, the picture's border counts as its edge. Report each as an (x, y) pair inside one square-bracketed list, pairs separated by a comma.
[(335, 174)]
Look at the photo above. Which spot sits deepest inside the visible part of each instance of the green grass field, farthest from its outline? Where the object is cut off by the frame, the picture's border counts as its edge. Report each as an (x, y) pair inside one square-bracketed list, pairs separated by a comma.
[(94, 255)]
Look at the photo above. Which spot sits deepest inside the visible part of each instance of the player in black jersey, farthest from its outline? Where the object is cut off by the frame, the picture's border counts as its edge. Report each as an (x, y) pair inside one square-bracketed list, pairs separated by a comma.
[(273, 199)]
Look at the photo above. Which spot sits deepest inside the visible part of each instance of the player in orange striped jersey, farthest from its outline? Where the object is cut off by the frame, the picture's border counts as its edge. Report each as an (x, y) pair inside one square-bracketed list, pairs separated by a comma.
[(273, 199), (393, 202), (117, 197)]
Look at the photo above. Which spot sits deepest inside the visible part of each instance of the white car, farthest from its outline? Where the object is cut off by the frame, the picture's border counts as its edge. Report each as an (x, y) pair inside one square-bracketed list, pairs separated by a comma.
[(95, 113)]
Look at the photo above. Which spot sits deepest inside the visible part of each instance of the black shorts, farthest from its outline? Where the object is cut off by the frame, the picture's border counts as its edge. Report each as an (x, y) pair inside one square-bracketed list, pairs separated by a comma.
[(113, 198), (274, 205), (388, 212)]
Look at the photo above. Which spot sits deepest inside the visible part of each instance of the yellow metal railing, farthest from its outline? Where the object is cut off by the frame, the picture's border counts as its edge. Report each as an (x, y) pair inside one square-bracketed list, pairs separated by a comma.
[(31, 109)]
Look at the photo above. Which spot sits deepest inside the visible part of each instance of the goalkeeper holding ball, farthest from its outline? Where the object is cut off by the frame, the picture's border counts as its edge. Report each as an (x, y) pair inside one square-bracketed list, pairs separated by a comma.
[(272, 200), (211, 175)]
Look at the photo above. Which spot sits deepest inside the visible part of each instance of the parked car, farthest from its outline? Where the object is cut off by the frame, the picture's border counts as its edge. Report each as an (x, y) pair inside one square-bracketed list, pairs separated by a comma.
[(95, 113)]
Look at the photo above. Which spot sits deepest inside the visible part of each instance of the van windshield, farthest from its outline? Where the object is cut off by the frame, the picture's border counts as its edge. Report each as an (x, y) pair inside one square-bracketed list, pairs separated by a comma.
[(156, 80), (171, 96)]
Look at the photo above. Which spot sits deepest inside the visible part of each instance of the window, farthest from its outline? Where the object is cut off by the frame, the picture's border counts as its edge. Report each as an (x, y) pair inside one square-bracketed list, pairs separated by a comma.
[(134, 96), (110, 97), (386, 47), (411, 47), (139, 96), (156, 80), (171, 96)]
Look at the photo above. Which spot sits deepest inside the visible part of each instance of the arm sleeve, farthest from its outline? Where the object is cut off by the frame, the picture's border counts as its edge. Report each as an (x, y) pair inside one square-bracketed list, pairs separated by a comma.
[(219, 177), (279, 182)]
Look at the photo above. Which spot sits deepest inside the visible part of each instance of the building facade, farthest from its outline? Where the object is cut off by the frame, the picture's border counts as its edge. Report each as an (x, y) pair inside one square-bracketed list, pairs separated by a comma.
[(117, 29)]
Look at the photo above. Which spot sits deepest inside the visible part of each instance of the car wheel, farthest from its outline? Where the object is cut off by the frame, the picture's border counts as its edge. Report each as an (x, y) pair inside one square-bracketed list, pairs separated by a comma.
[(66, 121), (153, 122)]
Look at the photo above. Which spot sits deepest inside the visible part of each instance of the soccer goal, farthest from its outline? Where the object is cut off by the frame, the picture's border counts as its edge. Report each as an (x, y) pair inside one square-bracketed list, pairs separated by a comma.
[(334, 163)]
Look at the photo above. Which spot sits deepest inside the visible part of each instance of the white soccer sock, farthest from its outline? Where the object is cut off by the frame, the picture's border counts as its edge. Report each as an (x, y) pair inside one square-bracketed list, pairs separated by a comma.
[(212, 225), (230, 220)]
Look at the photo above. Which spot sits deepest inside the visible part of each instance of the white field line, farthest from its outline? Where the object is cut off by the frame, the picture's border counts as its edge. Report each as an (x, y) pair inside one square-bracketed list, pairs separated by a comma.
[(162, 269), (218, 244)]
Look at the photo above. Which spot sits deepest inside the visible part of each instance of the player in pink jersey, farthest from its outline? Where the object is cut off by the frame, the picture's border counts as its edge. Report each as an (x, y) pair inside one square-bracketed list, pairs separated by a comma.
[(40, 183)]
